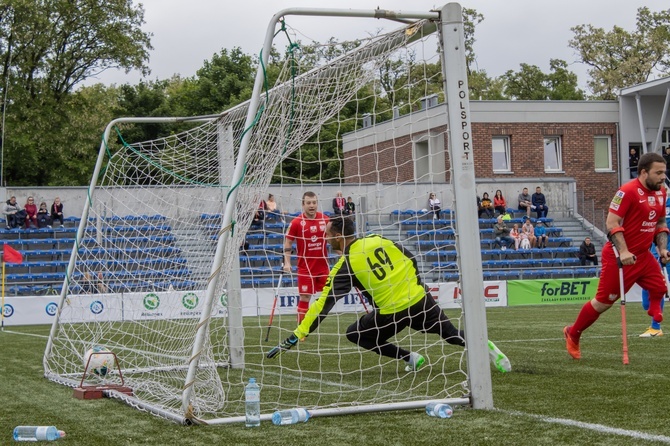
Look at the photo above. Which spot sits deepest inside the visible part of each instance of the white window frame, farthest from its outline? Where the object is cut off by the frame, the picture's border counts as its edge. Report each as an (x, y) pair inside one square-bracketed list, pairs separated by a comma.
[(608, 138), (665, 139), (558, 153), (505, 142)]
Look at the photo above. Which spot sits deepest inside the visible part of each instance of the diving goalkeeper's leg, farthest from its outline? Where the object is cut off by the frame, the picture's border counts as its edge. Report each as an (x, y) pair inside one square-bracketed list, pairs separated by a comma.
[(372, 331), (428, 317)]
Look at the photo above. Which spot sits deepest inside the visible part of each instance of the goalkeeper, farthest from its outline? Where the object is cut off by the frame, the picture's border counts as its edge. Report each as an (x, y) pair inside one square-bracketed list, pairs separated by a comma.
[(387, 275)]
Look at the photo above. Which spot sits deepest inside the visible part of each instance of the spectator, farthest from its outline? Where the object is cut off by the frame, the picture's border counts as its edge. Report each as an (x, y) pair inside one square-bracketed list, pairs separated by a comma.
[(529, 230), (587, 253), (272, 210), (244, 247), (666, 157), (339, 203), (525, 203), (259, 216), (501, 233), (31, 213), (633, 159), (486, 206), (43, 218), (350, 207), (499, 203), (516, 236), (93, 286), (540, 203), (434, 205), (15, 216), (57, 211), (541, 235)]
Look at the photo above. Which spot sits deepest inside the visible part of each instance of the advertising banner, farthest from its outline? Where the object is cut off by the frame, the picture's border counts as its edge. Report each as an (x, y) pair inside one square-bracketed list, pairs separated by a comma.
[(449, 295), (29, 310), (553, 291)]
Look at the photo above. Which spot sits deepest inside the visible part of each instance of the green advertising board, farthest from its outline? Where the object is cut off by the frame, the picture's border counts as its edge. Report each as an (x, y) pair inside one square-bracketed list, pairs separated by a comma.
[(552, 291)]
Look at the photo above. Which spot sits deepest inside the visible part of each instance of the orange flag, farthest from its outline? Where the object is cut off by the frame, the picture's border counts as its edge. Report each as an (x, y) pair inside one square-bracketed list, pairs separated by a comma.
[(11, 255)]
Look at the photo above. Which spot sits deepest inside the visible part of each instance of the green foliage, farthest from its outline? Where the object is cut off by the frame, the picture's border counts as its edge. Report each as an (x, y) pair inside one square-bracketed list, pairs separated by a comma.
[(544, 388), (530, 83), (47, 47), (620, 58)]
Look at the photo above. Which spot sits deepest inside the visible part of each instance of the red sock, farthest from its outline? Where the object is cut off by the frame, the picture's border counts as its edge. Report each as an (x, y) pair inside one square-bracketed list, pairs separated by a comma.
[(655, 310), (302, 309), (587, 316)]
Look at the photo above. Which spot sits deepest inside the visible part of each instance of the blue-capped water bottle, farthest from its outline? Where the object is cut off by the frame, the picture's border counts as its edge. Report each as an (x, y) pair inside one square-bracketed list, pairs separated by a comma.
[(37, 433), (291, 416), (439, 410), (252, 403)]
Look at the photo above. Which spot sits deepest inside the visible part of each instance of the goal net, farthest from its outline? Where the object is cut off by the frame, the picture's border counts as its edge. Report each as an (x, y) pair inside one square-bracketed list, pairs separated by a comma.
[(174, 271)]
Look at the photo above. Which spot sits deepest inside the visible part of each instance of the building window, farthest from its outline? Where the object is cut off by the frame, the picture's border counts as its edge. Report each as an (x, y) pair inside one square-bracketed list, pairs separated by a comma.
[(422, 160), (552, 154), (602, 146), (501, 162), (665, 139)]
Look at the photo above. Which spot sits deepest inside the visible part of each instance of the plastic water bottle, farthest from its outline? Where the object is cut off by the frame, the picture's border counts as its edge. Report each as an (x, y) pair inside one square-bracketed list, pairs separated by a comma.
[(439, 410), (37, 433), (291, 416), (252, 403)]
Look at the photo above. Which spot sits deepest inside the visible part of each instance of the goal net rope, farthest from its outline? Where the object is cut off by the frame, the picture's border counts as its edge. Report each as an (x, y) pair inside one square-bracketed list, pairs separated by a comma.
[(356, 116)]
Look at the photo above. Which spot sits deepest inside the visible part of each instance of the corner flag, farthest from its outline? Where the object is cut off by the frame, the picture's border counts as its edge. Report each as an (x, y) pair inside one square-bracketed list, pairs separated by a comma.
[(11, 255)]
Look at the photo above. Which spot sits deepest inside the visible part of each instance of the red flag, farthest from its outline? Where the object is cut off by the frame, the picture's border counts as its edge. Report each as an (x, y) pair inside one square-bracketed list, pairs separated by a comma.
[(11, 255)]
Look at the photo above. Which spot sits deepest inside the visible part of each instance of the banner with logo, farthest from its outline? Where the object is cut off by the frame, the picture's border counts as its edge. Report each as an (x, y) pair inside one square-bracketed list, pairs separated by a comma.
[(553, 291), (29, 310), (449, 294)]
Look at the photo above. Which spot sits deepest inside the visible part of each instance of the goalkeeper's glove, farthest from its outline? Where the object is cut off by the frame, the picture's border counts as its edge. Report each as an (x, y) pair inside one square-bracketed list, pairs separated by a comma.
[(286, 345)]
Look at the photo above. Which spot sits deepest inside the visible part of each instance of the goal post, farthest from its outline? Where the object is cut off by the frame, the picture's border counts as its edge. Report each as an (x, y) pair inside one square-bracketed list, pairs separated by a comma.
[(165, 219)]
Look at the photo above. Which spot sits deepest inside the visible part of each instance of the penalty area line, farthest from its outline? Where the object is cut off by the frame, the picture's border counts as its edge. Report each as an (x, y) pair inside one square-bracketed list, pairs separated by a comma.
[(592, 426)]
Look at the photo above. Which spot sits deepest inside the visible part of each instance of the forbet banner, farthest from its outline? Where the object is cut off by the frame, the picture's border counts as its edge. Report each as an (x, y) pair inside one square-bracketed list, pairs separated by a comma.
[(555, 291)]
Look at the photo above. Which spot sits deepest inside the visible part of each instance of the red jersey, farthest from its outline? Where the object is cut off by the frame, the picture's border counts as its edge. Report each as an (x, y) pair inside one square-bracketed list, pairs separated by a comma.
[(640, 209), (310, 238)]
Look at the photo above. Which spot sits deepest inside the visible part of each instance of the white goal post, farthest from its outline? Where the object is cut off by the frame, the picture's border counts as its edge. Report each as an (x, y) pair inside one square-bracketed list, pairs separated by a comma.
[(165, 219)]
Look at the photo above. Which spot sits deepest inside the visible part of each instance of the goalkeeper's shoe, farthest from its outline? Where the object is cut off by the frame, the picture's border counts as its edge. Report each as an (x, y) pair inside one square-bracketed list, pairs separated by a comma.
[(498, 359), (415, 362), (652, 333)]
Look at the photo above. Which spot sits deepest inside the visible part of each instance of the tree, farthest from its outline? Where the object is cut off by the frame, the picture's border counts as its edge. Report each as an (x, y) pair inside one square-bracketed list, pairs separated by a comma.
[(47, 48), (531, 83), (619, 58)]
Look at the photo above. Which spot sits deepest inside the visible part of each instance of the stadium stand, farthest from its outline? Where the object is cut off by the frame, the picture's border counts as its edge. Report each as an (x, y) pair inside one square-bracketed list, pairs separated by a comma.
[(145, 259)]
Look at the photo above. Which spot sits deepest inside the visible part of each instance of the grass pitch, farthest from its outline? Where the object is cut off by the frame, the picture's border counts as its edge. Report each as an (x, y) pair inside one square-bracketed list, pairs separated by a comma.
[(548, 399)]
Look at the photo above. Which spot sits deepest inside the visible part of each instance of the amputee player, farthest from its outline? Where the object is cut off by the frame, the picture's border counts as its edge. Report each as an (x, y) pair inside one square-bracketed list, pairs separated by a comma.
[(636, 218), (388, 276), (308, 231)]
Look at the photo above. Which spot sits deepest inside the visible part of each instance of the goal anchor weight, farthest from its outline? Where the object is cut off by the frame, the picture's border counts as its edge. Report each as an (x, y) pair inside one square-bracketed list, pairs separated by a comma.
[(94, 392)]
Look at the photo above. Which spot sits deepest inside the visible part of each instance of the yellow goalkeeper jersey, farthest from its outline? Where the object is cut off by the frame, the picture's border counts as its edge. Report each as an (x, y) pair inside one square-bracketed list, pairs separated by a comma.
[(383, 271)]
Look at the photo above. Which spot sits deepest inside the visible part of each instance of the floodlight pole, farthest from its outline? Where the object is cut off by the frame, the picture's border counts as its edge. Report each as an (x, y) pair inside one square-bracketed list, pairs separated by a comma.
[(463, 178)]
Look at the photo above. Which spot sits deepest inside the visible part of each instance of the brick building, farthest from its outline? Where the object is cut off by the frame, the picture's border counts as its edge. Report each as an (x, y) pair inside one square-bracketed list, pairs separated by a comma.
[(577, 141)]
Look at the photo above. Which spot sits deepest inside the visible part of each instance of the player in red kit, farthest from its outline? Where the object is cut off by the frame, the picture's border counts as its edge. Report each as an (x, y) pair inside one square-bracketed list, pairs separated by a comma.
[(636, 218), (308, 231)]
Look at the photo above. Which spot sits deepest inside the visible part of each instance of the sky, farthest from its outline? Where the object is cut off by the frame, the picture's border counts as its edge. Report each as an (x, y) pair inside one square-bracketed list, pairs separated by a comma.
[(185, 34)]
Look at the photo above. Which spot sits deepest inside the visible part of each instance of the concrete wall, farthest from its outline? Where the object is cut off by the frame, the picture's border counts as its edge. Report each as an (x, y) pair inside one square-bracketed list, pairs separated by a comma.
[(379, 197)]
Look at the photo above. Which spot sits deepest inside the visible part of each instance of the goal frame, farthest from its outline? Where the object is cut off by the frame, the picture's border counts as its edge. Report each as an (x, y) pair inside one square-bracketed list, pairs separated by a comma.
[(454, 69)]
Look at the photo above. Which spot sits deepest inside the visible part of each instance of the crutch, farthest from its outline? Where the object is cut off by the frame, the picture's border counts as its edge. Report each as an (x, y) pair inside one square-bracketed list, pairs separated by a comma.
[(274, 305), (624, 331), (362, 299)]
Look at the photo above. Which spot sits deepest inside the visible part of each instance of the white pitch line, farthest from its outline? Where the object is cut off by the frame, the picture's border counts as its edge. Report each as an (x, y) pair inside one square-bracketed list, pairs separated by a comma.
[(592, 426), (26, 334)]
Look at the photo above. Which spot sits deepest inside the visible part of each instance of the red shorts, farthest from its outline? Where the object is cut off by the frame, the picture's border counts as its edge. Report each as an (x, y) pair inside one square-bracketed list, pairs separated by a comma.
[(310, 284), (646, 272)]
